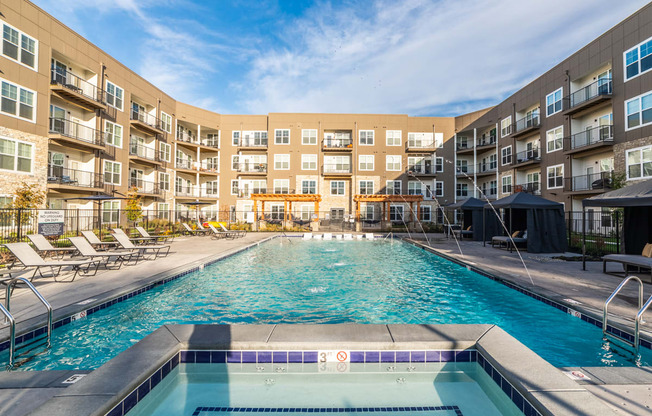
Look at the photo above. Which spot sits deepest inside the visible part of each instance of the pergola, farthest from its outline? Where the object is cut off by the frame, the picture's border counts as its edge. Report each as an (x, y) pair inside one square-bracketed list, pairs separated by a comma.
[(386, 200), (287, 200)]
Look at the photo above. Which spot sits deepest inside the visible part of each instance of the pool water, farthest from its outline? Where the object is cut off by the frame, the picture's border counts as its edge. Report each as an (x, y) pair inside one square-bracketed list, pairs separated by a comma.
[(284, 281), (440, 389)]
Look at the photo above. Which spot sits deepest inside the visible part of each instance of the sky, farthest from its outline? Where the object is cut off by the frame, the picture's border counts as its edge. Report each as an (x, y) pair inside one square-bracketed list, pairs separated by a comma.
[(415, 57)]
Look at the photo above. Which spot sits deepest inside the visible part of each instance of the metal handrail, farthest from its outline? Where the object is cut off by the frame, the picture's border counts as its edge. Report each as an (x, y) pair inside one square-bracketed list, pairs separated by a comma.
[(6, 310), (639, 318), (640, 305)]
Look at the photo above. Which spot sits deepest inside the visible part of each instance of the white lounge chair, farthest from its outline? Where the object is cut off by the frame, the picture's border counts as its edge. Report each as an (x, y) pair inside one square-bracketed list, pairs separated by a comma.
[(328, 236), (189, 231), (96, 242), (137, 240), (307, 236), (216, 234), (369, 236), (338, 236), (155, 249), (348, 236), (30, 258), (317, 237), (358, 236), (158, 238), (44, 247), (118, 257), (238, 233)]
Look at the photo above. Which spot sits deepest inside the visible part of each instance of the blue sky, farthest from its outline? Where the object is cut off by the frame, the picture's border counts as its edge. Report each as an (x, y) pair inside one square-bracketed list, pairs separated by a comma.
[(419, 57)]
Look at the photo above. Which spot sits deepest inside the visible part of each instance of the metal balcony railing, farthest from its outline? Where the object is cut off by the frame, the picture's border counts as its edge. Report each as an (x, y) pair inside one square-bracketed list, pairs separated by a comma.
[(76, 131), (527, 156), (73, 177), (76, 84), (251, 167), (189, 191), (486, 167), (464, 146), (146, 118), (464, 169), (529, 187), (592, 136), (601, 87), (212, 142), (421, 170), (336, 168), (338, 143), (208, 193), (145, 187), (529, 121), (144, 152), (209, 167), (185, 163), (420, 144), (247, 193), (253, 142), (589, 182), (186, 137), (487, 141)]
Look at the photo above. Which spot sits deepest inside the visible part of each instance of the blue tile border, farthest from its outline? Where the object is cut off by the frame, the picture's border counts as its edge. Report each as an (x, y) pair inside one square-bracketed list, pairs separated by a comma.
[(206, 409)]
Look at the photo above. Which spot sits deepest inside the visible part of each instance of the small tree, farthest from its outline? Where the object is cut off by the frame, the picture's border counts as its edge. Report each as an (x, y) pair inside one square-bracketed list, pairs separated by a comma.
[(27, 197), (134, 209), (618, 180)]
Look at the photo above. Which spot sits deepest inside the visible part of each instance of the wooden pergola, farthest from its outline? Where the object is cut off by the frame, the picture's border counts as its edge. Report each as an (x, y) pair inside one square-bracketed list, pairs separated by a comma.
[(287, 200), (386, 200)]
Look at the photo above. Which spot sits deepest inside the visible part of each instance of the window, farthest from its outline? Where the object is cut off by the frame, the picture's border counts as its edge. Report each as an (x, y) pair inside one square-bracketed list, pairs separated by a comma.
[(281, 162), (414, 188), (166, 122), (506, 126), (113, 133), (507, 184), (18, 46), (16, 156), (112, 172), (638, 59), (366, 162), (553, 102), (396, 213), (462, 142), (166, 151), (278, 212), (426, 213), (282, 136), (366, 187), (462, 166), (639, 163), (281, 186), (462, 190), (17, 101), (367, 213), (367, 137), (338, 164), (493, 161), (308, 187), (439, 164), (235, 162), (393, 137), (110, 212), (337, 187), (308, 162), (163, 211), (235, 187), (555, 176), (114, 95), (439, 188), (164, 181), (424, 140), (309, 136), (212, 188), (554, 138), (440, 216), (506, 156), (493, 188), (306, 212), (235, 138), (638, 111), (393, 162), (394, 188)]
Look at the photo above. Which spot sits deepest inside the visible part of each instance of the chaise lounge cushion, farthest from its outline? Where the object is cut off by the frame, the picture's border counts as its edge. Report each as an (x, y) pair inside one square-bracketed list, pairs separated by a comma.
[(630, 259), (647, 250)]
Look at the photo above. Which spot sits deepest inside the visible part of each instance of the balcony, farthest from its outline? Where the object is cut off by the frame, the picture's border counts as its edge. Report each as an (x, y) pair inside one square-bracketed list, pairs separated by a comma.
[(589, 96), (253, 143), (72, 179), (421, 170), (336, 170), (337, 144), (464, 148), (251, 168), (144, 153), (145, 122), (420, 146), (527, 158), (208, 193), (78, 135), (533, 188), (187, 164), (594, 183), (486, 142), (209, 168), (76, 90), (145, 187), (186, 191), (485, 169), (464, 171), (527, 124), (212, 142), (187, 137), (594, 138)]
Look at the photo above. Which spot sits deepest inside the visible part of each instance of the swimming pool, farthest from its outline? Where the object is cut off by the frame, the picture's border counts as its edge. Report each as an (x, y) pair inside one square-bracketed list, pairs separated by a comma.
[(284, 281)]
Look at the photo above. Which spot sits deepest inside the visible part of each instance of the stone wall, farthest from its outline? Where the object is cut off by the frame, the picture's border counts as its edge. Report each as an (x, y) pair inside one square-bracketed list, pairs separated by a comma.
[(11, 180), (620, 150)]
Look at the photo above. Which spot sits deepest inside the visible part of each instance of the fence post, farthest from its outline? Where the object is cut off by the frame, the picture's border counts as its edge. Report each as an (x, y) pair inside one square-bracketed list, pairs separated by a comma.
[(570, 231), (19, 218), (617, 232), (77, 220)]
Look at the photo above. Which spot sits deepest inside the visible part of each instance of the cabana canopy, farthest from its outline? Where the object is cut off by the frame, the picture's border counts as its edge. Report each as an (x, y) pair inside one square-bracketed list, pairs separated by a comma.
[(483, 226), (636, 195), (543, 219)]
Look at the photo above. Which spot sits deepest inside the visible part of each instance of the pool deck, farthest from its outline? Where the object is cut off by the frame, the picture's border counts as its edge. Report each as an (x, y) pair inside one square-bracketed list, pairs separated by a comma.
[(628, 391)]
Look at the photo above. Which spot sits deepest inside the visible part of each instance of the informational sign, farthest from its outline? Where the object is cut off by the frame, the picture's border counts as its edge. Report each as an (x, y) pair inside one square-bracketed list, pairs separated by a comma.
[(333, 356), (50, 221)]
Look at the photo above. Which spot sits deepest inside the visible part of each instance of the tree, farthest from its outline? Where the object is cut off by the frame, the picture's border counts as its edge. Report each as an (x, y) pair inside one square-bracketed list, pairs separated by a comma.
[(134, 209), (26, 198)]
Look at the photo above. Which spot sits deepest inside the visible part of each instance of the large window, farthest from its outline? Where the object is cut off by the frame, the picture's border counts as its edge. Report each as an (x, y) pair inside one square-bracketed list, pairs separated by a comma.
[(366, 162), (281, 186), (110, 212), (112, 172), (439, 188), (114, 95), (166, 122), (367, 213), (639, 163), (282, 136), (638, 59), (507, 184), (414, 188), (462, 190), (113, 133), (164, 181), (555, 139), (309, 136), (506, 126), (366, 187), (506, 156), (18, 46), (396, 213), (439, 164), (555, 176), (281, 162), (553, 102), (166, 151), (235, 187), (638, 111), (337, 187), (367, 137), (393, 137), (426, 213), (393, 162), (308, 186), (393, 188), (235, 138), (16, 156), (308, 162), (17, 101)]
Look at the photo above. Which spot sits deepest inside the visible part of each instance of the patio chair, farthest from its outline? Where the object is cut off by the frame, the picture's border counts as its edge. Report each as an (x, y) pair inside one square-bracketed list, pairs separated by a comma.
[(104, 257), (96, 242), (642, 261), (137, 240), (518, 237), (155, 249), (217, 234), (159, 238), (44, 247), (189, 231), (30, 258), (238, 233)]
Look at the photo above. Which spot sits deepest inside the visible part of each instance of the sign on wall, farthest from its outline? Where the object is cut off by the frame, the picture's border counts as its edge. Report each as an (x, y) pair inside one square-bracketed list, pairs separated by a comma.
[(50, 221)]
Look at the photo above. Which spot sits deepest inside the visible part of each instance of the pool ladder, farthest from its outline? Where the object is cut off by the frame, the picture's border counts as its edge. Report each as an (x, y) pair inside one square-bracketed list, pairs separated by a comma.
[(5, 310), (642, 308)]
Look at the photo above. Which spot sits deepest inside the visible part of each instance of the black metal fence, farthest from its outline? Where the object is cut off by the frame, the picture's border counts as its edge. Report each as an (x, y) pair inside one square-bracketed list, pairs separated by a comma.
[(603, 231)]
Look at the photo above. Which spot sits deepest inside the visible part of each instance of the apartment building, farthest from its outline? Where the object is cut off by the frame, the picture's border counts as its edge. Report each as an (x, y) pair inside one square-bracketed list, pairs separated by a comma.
[(575, 131), (76, 122)]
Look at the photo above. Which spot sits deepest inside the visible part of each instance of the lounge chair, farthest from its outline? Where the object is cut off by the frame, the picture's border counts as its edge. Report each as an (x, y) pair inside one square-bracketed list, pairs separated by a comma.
[(307, 236), (467, 233), (338, 236), (643, 261), (44, 247), (137, 240), (369, 236), (104, 257), (317, 237), (348, 236), (30, 258), (358, 236), (96, 242), (155, 249), (328, 236), (216, 234), (239, 233), (509, 243), (189, 231), (158, 238)]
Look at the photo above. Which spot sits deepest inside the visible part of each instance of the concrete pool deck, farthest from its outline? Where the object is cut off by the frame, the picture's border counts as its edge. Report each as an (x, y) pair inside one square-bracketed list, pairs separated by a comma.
[(554, 279)]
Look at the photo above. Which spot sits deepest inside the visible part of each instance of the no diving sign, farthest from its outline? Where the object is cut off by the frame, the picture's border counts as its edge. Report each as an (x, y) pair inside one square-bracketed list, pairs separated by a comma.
[(334, 356)]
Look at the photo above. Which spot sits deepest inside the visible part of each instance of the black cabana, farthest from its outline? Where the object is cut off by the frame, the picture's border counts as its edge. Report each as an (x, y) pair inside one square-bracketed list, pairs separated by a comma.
[(543, 219), (472, 215)]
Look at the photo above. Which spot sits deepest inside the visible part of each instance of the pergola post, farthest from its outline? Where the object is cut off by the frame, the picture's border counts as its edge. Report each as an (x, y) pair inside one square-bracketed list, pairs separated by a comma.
[(262, 211), (285, 212), (255, 215)]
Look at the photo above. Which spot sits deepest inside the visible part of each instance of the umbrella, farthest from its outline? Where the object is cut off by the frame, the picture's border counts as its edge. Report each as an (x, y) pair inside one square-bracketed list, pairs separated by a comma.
[(99, 199)]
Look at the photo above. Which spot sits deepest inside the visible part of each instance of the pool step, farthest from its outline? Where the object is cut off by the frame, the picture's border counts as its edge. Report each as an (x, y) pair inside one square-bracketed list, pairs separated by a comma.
[(33, 349)]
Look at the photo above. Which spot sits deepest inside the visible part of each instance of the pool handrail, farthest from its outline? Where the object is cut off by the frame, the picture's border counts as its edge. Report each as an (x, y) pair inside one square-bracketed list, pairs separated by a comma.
[(640, 306), (639, 318)]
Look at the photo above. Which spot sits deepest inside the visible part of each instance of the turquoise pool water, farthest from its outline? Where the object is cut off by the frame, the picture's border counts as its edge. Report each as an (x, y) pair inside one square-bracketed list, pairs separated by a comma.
[(331, 282)]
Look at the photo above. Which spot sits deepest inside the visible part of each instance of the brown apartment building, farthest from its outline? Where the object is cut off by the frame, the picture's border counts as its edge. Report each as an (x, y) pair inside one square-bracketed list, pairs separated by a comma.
[(77, 122)]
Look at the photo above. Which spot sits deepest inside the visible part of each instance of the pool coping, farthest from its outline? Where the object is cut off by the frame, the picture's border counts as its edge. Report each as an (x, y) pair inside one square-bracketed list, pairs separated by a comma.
[(620, 326), (533, 384)]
